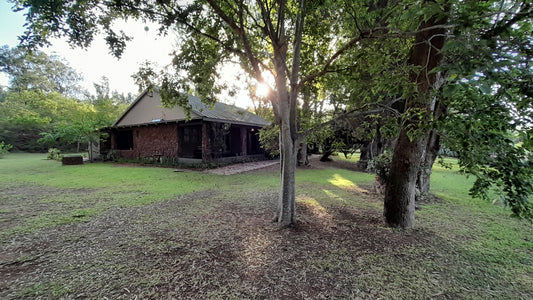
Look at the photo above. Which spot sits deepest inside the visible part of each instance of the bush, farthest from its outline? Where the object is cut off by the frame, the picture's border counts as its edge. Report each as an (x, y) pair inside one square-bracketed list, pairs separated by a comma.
[(381, 165), (4, 149), (112, 155), (54, 153), (269, 138)]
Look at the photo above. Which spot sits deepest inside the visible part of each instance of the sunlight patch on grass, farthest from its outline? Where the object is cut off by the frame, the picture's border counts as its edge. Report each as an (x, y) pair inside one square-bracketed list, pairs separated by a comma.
[(309, 201), (355, 157), (333, 195), (313, 206), (318, 176), (319, 213), (343, 183)]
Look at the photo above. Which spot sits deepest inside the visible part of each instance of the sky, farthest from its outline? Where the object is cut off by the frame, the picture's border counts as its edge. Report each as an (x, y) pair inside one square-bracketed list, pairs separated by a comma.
[(95, 62)]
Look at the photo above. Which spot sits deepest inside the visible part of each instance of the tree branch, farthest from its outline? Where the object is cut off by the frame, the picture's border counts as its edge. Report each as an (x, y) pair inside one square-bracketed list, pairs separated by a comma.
[(351, 114), (339, 52)]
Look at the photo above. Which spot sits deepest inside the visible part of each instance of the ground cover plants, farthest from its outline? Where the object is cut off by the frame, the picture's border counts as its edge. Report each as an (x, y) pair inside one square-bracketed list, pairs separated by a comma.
[(125, 231)]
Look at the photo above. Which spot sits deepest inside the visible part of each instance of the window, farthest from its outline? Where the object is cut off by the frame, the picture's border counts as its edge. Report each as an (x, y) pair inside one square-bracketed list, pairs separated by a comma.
[(125, 140)]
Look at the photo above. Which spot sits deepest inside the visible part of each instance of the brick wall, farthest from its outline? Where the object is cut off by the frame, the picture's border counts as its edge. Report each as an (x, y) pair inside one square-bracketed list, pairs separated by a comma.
[(153, 141)]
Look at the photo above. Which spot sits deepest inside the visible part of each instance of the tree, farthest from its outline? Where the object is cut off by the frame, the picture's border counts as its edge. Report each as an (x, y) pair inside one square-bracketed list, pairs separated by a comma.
[(81, 125), (489, 43), (399, 205), (264, 36), (82, 129), (298, 42), (26, 115), (36, 70), (490, 100)]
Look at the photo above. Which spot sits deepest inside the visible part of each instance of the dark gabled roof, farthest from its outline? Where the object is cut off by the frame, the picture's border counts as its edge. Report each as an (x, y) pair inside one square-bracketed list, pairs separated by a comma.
[(219, 112), (225, 112)]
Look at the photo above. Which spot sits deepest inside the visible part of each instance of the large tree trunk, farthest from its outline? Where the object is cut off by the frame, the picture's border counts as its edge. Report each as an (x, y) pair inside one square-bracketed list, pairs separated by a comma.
[(399, 204), (286, 211), (428, 159), (303, 159), (326, 153), (287, 104), (431, 153)]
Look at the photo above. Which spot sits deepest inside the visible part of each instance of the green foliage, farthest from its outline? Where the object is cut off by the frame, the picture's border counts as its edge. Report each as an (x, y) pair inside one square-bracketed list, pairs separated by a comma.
[(112, 155), (269, 138), (36, 71), (484, 135), (32, 120), (23, 116), (146, 77), (4, 148), (381, 165), (54, 154), (488, 49), (489, 96)]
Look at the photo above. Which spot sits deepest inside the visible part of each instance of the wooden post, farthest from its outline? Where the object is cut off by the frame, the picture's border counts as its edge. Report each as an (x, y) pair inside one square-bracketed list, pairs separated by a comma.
[(244, 141), (206, 143)]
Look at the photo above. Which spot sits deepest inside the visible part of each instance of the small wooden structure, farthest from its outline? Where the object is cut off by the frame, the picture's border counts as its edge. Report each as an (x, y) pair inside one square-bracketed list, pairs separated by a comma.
[(68, 160)]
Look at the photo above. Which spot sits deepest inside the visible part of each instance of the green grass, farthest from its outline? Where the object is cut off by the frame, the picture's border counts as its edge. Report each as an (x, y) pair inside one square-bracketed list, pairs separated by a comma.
[(177, 234), (86, 190), (351, 158)]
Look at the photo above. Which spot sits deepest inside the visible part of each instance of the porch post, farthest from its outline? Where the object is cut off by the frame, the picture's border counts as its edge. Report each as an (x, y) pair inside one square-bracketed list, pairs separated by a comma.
[(206, 143), (244, 141)]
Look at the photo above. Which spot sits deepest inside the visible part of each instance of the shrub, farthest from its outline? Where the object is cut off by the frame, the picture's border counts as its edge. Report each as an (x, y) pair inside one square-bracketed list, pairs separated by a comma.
[(112, 155), (54, 153), (381, 165), (4, 149), (269, 138)]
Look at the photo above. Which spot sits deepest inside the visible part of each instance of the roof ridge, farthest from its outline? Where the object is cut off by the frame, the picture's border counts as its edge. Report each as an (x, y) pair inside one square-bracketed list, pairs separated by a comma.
[(217, 112)]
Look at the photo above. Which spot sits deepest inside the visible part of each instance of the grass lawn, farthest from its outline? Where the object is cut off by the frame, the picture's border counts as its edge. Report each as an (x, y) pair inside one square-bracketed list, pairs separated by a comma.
[(124, 232)]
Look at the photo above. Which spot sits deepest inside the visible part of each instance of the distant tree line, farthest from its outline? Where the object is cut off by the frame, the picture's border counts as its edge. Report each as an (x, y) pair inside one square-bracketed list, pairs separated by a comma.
[(44, 106)]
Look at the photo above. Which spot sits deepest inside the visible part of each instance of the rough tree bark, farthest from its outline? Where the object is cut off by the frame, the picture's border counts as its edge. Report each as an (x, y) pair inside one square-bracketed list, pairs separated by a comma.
[(428, 159), (430, 154), (326, 153), (303, 158), (432, 149), (305, 117), (399, 204)]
